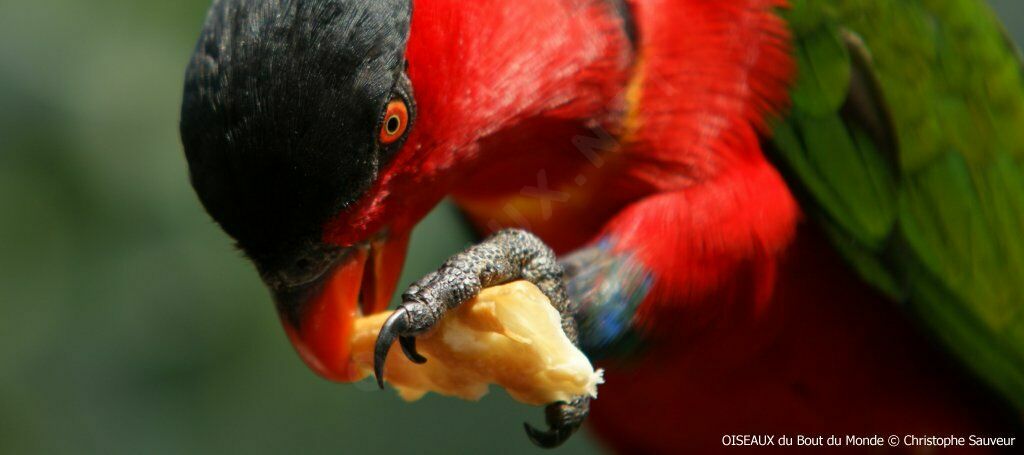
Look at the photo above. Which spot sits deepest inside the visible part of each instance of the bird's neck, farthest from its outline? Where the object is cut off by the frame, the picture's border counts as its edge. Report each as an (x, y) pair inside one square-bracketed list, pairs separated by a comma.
[(482, 67)]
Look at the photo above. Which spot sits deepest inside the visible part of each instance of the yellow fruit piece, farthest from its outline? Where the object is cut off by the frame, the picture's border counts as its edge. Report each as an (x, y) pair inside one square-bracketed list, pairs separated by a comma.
[(509, 335)]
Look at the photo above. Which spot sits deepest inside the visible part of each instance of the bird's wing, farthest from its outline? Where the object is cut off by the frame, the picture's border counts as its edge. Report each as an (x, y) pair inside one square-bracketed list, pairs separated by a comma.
[(906, 141)]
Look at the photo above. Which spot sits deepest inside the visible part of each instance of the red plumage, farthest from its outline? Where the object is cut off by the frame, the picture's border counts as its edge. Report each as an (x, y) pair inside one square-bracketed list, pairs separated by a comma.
[(485, 68), (755, 325)]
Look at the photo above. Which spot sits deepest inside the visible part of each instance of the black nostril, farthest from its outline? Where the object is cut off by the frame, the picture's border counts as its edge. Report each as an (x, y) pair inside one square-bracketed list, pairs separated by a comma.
[(303, 265)]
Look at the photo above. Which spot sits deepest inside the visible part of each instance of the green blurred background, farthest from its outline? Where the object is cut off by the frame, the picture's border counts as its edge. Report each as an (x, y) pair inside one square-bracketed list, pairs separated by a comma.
[(128, 324)]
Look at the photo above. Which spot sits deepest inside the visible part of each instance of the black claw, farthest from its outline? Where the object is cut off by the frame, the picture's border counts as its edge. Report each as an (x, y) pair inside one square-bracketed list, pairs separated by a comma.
[(548, 439), (388, 333), (409, 348)]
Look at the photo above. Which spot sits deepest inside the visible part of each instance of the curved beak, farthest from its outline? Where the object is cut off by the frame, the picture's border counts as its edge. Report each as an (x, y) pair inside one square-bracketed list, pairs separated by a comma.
[(319, 315)]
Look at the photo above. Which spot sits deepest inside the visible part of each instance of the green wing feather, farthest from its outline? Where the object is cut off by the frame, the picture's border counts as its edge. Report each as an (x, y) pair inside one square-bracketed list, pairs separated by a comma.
[(906, 139)]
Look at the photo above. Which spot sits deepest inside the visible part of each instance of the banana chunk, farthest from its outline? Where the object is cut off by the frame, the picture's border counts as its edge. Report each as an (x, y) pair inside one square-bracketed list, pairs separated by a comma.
[(509, 335)]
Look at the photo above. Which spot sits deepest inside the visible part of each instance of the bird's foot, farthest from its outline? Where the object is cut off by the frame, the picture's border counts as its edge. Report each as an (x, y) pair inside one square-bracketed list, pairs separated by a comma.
[(563, 420), (506, 256)]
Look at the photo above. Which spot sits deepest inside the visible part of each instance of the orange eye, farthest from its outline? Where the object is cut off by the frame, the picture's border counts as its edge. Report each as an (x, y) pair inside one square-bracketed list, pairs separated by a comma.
[(396, 120)]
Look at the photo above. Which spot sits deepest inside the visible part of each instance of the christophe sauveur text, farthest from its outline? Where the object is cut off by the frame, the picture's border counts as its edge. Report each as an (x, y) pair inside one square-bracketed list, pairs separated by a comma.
[(944, 441)]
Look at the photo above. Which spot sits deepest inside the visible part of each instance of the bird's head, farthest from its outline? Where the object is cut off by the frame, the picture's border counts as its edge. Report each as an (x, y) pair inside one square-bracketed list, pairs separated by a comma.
[(292, 113), (308, 144)]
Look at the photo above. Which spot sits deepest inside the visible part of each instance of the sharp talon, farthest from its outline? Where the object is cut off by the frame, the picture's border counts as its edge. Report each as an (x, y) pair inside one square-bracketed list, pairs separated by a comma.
[(388, 333), (548, 439), (409, 348)]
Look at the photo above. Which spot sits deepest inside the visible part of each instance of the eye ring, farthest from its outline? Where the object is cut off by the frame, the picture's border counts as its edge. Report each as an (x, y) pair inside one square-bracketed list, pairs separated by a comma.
[(396, 121)]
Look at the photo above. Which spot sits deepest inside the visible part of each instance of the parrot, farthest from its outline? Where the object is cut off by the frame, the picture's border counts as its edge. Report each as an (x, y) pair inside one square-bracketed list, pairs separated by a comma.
[(758, 216)]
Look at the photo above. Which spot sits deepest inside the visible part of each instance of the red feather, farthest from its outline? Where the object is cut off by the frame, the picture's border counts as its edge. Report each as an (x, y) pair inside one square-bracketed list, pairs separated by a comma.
[(659, 151), (483, 67)]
